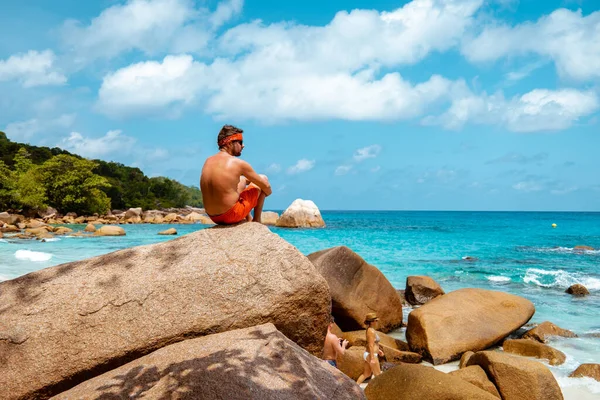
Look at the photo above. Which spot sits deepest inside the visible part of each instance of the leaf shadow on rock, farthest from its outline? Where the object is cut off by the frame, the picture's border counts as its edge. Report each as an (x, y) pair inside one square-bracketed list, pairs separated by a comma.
[(231, 373)]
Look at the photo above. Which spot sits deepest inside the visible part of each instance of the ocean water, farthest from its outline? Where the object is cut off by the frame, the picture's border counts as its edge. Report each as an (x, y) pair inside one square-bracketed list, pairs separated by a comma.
[(515, 252)]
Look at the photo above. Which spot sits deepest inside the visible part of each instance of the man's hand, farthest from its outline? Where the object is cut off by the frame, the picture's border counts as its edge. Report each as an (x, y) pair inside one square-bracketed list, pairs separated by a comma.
[(344, 343)]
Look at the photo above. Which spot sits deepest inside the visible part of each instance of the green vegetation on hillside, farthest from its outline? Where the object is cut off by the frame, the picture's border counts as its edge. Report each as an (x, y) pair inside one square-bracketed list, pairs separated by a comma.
[(33, 177)]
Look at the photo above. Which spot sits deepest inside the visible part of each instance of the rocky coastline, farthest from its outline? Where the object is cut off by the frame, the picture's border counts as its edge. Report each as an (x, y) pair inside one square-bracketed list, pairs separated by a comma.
[(237, 312)]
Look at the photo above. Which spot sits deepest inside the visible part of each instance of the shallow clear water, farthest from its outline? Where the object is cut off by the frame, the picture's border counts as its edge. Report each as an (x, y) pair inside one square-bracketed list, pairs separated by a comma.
[(514, 252)]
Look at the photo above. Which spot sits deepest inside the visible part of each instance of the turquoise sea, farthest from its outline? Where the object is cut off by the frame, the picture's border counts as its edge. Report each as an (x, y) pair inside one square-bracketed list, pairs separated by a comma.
[(516, 252)]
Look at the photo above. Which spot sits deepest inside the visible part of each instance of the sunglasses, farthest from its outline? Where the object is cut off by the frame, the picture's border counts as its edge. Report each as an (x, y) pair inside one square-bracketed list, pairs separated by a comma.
[(241, 142)]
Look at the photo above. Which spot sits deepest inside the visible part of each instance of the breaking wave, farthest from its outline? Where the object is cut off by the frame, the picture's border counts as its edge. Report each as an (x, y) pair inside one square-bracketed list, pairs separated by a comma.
[(559, 279), (495, 278), (28, 255), (560, 249)]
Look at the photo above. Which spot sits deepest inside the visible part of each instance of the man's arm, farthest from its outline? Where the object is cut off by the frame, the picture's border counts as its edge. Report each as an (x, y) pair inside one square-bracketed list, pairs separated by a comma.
[(252, 176)]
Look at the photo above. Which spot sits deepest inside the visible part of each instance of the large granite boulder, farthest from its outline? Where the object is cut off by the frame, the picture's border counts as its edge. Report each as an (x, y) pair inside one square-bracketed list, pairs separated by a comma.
[(110, 230), (301, 214), (475, 375), (133, 213), (415, 381), (357, 288), (546, 329), (90, 228), (352, 362), (517, 378), (466, 319), (421, 289), (252, 363), (65, 324), (269, 218), (587, 370), (531, 348)]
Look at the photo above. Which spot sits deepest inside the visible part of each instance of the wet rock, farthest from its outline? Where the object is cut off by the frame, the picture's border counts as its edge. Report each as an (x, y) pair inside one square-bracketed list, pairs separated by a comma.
[(517, 378), (587, 370), (545, 330), (357, 288), (577, 290), (90, 228), (462, 320), (531, 348), (109, 230), (583, 248), (421, 289)]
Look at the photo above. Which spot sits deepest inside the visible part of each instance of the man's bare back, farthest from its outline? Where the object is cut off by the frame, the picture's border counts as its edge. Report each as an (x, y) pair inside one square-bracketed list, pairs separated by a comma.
[(224, 178)]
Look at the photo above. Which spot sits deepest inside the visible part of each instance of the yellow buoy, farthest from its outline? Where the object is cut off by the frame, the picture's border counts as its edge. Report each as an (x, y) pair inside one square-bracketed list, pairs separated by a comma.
[(554, 225)]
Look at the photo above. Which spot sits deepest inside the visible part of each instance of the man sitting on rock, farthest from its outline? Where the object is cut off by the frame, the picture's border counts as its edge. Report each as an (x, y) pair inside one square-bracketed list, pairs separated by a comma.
[(230, 187)]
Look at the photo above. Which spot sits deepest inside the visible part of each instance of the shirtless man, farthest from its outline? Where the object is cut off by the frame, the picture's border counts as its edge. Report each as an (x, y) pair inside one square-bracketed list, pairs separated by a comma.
[(334, 347), (230, 187)]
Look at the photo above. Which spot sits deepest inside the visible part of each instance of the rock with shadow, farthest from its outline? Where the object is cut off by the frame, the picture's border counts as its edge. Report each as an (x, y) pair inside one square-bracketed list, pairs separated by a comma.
[(357, 288), (462, 320), (63, 325), (252, 363)]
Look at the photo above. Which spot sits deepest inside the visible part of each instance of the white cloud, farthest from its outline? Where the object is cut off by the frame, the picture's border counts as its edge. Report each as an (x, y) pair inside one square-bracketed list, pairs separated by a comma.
[(286, 71), (151, 86), (537, 110), (111, 143), (567, 37), (302, 165), (273, 168), (22, 131), (32, 69), (528, 186), (343, 169), (150, 26), (225, 11), (367, 152)]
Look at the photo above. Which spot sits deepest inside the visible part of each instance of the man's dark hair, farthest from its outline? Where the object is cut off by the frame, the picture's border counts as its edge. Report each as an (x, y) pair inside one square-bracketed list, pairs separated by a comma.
[(228, 130)]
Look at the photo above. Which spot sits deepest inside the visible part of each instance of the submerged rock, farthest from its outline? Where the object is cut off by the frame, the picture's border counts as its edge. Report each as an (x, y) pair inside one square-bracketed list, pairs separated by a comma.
[(357, 288), (252, 363), (110, 230), (301, 214), (530, 348), (462, 320), (170, 231), (518, 378), (90, 228), (84, 318), (421, 289), (577, 290), (546, 329), (415, 381)]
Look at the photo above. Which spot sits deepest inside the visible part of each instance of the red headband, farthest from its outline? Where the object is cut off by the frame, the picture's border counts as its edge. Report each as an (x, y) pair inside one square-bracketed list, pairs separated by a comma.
[(231, 138)]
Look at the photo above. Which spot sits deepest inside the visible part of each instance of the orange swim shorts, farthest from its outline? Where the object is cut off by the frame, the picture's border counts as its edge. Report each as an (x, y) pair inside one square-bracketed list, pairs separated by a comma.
[(239, 211)]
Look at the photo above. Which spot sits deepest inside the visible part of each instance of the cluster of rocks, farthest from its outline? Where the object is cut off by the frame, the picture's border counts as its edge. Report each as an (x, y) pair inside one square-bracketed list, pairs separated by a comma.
[(238, 313), (300, 214)]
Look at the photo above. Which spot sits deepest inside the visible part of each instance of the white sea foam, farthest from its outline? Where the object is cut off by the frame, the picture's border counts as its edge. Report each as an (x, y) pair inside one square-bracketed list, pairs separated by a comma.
[(28, 255), (495, 278), (559, 278), (3, 241), (52, 240), (560, 249)]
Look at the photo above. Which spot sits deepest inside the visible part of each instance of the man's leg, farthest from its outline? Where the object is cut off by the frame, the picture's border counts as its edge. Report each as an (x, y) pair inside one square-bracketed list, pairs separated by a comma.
[(259, 203)]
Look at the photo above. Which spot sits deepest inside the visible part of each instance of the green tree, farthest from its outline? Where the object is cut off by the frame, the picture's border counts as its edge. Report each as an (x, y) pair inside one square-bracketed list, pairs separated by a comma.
[(29, 192), (71, 185), (7, 185)]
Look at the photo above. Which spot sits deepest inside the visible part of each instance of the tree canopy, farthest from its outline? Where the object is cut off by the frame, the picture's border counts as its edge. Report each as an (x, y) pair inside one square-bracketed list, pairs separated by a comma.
[(33, 177)]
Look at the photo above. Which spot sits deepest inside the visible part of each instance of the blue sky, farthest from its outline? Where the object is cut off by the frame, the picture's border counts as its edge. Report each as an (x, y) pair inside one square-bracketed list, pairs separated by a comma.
[(421, 105)]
